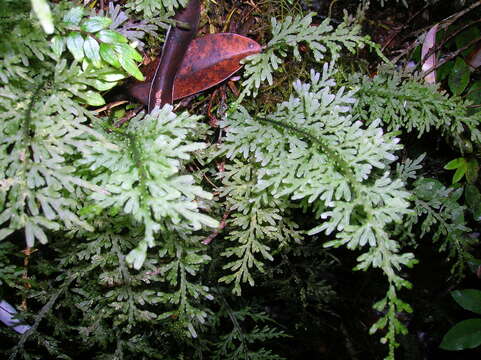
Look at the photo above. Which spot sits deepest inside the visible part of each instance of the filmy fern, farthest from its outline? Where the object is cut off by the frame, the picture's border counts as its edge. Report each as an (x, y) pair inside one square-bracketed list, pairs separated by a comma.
[(310, 149), (403, 102), (124, 214), (258, 220), (242, 343), (155, 8), (143, 180), (323, 40), (438, 212), (35, 155)]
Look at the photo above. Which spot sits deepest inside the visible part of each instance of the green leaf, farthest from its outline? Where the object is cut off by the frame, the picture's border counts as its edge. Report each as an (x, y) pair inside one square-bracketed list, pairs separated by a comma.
[(111, 37), (58, 45), (467, 36), (472, 169), (96, 23), (444, 70), (459, 77), (42, 10), (473, 201), (461, 166), (126, 50), (474, 265), (474, 93), (75, 44), (5, 232), (92, 98), (73, 16), (131, 67), (91, 49), (453, 164), (464, 335), (468, 299), (458, 175), (109, 55)]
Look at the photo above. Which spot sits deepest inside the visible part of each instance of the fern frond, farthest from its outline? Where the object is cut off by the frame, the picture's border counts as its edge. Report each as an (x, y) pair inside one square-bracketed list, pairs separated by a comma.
[(404, 103), (323, 40), (144, 180), (311, 149), (155, 8)]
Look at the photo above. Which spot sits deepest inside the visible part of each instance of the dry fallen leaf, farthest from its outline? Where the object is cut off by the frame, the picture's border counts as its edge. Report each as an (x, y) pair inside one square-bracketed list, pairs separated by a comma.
[(175, 47), (208, 61), (430, 62)]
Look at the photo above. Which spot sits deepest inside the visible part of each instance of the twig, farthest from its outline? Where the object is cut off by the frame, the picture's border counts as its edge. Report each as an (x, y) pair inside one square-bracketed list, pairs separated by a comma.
[(403, 27), (217, 231), (128, 116), (456, 16), (110, 106), (45, 309), (213, 122), (452, 56), (444, 41), (443, 24)]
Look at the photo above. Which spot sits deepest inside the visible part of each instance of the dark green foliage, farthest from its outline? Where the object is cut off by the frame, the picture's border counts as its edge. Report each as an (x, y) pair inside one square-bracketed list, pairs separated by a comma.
[(403, 102), (467, 333), (126, 253)]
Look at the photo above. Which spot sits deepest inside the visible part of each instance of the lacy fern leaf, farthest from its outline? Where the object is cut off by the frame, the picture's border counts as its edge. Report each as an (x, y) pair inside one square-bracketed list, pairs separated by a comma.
[(155, 8), (143, 180), (404, 103), (322, 40), (36, 151), (311, 149)]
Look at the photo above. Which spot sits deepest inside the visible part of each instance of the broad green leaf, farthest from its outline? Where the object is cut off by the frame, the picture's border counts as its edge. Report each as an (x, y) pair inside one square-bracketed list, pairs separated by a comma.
[(75, 44), (92, 98), (73, 16), (444, 70), (473, 201), (453, 164), (458, 175), (459, 76), (109, 55), (468, 299), (5, 232), (91, 49), (472, 169), (111, 37), (466, 36), (464, 335), (42, 10), (126, 50), (58, 45), (131, 67), (474, 265), (474, 93), (96, 23)]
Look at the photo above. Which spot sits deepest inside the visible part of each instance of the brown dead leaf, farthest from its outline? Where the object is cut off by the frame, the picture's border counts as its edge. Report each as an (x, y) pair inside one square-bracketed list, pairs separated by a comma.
[(208, 61)]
